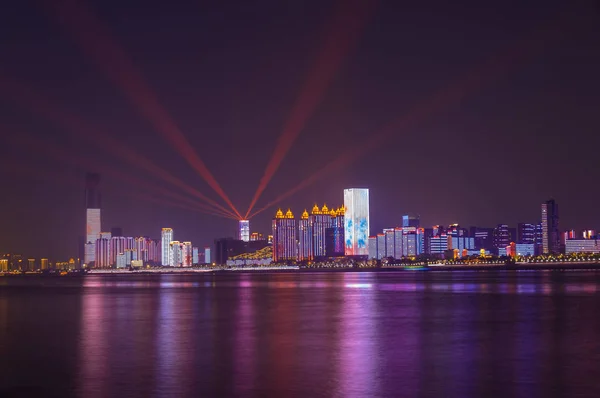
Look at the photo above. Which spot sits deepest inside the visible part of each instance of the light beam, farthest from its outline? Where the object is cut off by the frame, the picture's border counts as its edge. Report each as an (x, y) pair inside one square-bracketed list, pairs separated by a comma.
[(98, 44)]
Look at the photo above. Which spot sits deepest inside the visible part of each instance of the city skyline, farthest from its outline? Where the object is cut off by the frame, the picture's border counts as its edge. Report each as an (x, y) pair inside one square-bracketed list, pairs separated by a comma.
[(365, 96)]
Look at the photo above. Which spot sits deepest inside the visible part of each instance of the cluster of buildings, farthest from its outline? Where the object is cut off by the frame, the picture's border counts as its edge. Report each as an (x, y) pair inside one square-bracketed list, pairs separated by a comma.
[(112, 249), (324, 233)]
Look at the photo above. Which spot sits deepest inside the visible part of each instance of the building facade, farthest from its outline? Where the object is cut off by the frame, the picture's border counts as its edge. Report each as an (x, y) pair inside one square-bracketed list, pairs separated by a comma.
[(166, 237), (550, 232), (356, 221), (285, 246)]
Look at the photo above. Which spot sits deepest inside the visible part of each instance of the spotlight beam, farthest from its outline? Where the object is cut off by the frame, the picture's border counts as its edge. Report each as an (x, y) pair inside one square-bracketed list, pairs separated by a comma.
[(348, 23), (72, 159), (448, 96), (98, 44), (78, 128)]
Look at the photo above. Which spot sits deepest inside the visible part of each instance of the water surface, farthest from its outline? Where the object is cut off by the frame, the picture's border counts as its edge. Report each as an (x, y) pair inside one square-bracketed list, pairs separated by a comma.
[(413, 334)]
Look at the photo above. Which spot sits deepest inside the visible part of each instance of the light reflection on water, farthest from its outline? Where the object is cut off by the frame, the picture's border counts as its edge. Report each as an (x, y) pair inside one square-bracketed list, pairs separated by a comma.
[(310, 335)]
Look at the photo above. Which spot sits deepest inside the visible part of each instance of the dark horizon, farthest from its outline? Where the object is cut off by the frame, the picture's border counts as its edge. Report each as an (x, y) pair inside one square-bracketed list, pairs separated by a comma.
[(489, 151)]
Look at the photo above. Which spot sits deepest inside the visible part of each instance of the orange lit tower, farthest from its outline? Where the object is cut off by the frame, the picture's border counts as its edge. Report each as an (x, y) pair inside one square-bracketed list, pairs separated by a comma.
[(285, 246)]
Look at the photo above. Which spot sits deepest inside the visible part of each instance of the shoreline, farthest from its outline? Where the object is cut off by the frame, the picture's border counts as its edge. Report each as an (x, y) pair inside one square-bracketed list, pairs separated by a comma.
[(530, 267)]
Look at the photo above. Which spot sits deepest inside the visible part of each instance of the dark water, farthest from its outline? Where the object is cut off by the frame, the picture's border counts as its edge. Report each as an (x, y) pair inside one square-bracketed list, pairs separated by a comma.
[(421, 334)]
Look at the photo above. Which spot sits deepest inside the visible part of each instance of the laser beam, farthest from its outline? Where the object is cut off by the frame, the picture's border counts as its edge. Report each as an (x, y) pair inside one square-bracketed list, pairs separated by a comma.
[(78, 128), (444, 98), (98, 44), (60, 155), (342, 35)]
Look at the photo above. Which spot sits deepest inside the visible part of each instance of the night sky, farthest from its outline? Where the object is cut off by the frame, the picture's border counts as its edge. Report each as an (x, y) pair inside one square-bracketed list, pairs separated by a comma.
[(229, 73)]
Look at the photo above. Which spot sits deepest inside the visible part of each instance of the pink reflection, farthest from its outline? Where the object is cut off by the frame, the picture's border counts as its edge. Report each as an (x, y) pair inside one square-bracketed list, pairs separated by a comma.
[(93, 346), (358, 349), (245, 351)]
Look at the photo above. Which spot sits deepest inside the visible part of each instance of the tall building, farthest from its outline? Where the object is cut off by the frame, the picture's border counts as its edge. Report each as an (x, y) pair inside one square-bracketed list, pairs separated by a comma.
[(166, 239), (244, 230), (380, 246), (525, 233), (175, 254), (411, 221), (356, 220), (44, 264), (92, 218), (207, 258), (195, 259), (334, 242), (501, 236), (305, 238), (550, 233), (372, 247), (320, 220), (186, 254), (285, 247)]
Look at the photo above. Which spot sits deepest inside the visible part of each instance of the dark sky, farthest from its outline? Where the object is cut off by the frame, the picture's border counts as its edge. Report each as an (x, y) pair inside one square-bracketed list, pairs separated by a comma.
[(229, 72)]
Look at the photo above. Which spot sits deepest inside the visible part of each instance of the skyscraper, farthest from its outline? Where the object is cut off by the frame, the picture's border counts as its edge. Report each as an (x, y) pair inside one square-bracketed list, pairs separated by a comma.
[(244, 230), (305, 238), (175, 254), (356, 220), (207, 258), (186, 254), (92, 217), (411, 221), (285, 245), (320, 220), (550, 234), (166, 239)]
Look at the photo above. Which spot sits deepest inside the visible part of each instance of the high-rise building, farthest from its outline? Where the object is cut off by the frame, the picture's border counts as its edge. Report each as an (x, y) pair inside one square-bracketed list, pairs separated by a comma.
[(175, 254), (31, 264), (285, 246), (103, 252), (372, 247), (501, 236), (244, 230), (44, 265), (381, 246), (389, 242), (4, 265), (525, 233), (582, 246), (411, 221), (483, 237), (305, 238), (186, 254), (207, 257), (550, 233), (92, 217), (166, 239), (334, 243), (356, 220), (320, 220), (195, 259)]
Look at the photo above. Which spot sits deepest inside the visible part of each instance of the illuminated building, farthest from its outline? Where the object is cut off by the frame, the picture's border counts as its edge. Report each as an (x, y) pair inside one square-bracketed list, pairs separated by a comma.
[(166, 239), (92, 218), (244, 230), (483, 238), (186, 254), (256, 236), (381, 246), (389, 242), (121, 260), (320, 220), (4, 265), (411, 221), (582, 246), (372, 247), (195, 259), (550, 234), (501, 236), (589, 234), (356, 220), (207, 257), (438, 244), (270, 239), (103, 252), (284, 237), (334, 235), (175, 254), (31, 264), (137, 263), (117, 246), (305, 238), (44, 264)]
